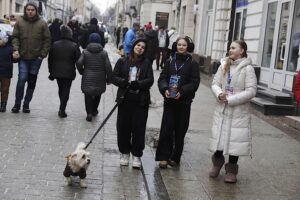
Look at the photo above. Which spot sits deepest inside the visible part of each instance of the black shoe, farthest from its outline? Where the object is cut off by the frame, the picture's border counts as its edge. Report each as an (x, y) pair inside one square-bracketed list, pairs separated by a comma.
[(95, 113), (62, 114), (16, 108), (26, 108), (89, 118), (3, 107)]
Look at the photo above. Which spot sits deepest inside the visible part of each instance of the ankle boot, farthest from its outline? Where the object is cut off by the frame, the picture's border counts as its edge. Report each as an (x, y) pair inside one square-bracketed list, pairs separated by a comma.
[(218, 163), (231, 172), (16, 108), (3, 107)]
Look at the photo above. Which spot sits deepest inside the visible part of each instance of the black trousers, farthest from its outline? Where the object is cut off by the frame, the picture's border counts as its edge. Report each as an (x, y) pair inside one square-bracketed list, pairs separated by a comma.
[(91, 103), (232, 159), (64, 87), (131, 128), (174, 125)]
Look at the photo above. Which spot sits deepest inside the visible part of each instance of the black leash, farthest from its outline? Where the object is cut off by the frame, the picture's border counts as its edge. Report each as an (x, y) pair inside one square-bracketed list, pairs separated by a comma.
[(119, 101)]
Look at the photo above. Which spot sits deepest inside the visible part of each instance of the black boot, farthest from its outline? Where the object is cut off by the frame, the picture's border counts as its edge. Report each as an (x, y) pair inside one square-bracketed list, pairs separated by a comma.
[(26, 108), (16, 108), (3, 107), (62, 114)]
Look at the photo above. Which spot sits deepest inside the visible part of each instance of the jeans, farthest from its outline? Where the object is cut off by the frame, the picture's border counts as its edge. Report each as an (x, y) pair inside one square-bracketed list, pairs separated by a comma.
[(28, 70)]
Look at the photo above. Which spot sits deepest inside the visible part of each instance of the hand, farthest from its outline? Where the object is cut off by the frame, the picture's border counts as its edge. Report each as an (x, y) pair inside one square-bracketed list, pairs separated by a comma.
[(16, 55), (222, 98), (178, 95), (167, 94), (50, 77), (134, 85)]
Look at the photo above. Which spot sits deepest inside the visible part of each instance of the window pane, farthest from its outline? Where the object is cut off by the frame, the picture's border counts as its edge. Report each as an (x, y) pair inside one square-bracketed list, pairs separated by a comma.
[(211, 4), (283, 28), (269, 35), (236, 32), (243, 24), (294, 59)]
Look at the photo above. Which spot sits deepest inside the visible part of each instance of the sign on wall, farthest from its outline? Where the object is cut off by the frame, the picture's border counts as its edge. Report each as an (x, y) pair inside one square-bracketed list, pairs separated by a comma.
[(162, 19)]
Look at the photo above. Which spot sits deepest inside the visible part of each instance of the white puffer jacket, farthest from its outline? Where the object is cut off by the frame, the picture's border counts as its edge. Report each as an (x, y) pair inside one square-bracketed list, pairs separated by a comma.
[(231, 123)]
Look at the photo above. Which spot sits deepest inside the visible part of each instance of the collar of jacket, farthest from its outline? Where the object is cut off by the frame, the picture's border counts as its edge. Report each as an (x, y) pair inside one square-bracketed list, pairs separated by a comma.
[(33, 19)]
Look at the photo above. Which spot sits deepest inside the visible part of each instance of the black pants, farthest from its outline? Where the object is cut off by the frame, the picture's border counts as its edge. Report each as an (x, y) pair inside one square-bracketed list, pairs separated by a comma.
[(232, 159), (131, 128), (64, 87), (174, 125), (163, 59), (91, 103)]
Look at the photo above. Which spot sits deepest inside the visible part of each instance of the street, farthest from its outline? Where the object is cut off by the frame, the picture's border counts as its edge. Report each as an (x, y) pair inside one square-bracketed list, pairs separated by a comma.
[(33, 149)]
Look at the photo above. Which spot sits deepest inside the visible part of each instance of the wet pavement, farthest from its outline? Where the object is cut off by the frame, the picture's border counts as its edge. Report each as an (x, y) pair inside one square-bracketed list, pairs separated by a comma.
[(33, 147)]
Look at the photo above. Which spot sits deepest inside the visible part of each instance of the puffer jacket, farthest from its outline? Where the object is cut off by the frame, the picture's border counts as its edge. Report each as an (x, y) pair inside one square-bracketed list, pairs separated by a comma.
[(189, 78), (31, 38), (145, 81), (62, 58), (231, 131), (95, 68), (6, 61)]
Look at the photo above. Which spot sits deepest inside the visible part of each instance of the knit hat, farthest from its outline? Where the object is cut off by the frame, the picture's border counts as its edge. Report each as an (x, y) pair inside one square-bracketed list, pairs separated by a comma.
[(3, 36), (95, 38), (65, 31)]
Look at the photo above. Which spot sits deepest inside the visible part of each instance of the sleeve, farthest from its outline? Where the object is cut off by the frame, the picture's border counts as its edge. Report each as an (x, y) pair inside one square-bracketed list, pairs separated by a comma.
[(50, 60), (217, 83), (163, 78), (108, 69), (79, 63), (117, 78), (192, 86), (148, 81), (249, 92), (46, 40), (15, 37)]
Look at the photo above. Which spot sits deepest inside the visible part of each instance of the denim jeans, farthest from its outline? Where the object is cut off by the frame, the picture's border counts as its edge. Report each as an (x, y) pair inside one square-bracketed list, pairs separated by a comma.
[(28, 70)]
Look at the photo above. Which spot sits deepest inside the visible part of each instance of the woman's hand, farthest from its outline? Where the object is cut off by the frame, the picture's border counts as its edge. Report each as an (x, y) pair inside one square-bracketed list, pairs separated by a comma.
[(178, 95), (222, 97), (167, 94)]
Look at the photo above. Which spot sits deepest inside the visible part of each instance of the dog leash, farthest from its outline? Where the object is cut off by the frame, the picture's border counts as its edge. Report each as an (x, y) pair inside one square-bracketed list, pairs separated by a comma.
[(119, 101)]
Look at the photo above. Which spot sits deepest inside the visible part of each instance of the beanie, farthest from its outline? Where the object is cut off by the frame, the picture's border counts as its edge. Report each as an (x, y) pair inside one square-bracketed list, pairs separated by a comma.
[(65, 31), (95, 38)]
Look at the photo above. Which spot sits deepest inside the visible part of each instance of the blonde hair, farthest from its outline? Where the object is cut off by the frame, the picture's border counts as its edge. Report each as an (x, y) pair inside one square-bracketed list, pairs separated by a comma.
[(227, 62)]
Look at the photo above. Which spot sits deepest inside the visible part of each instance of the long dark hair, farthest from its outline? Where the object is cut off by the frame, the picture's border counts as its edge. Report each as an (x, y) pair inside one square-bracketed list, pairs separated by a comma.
[(132, 57)]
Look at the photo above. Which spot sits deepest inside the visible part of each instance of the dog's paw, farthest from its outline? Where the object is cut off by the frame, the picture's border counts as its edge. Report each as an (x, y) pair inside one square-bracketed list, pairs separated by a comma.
[(82, 183), (69, 180)]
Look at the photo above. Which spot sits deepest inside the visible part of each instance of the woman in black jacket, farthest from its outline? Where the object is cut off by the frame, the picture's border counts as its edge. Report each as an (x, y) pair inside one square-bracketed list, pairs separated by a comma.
[(178, 82), (61, 63), (134, 77)]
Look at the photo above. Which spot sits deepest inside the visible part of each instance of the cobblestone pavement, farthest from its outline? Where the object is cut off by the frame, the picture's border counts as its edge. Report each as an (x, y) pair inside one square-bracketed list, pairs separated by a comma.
[(33, 147)]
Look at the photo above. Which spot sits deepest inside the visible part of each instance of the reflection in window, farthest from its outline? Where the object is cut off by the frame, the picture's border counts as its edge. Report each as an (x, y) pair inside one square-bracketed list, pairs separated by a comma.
[(236, 32), (294, 53), (269, 35)]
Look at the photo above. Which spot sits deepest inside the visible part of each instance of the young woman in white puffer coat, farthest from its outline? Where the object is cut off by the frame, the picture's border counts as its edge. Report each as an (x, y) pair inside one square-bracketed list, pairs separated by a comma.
[(234, 85)]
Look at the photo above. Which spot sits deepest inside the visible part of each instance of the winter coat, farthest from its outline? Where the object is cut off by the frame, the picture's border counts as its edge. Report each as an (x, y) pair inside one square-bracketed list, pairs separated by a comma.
[(130, 36), (31, 38), (62, 58), (152, 44), (6, 63), (297, 89), (145, 81), (95, 68), (231, 123), (189, 77), (55, 31)]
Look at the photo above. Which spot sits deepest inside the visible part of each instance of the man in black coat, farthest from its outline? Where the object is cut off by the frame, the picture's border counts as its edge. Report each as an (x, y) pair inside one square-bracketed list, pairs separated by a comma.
[(54, 30), (152, 44), (61, 63)]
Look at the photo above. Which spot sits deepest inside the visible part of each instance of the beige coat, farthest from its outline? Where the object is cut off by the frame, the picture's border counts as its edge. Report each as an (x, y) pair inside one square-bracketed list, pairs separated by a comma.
[(231, 123)]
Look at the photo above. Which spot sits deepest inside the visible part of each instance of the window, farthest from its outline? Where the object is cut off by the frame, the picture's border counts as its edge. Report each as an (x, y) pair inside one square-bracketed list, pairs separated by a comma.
[(240, 20), (294, 52)]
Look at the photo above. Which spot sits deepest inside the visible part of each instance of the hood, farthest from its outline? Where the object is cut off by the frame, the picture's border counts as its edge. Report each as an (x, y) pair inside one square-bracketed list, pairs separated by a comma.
[(151, 33), (36, 17), (94, 48), (170, 32)]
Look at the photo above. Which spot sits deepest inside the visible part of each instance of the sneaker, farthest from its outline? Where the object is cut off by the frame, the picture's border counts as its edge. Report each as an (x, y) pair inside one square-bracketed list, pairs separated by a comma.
[(124, 159), (136, 162), (16, 108), (26, 108)]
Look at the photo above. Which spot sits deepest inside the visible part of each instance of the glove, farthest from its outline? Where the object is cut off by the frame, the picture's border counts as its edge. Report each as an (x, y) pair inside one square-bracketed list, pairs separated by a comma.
[(125, 83), (134, 85), (51, 78)]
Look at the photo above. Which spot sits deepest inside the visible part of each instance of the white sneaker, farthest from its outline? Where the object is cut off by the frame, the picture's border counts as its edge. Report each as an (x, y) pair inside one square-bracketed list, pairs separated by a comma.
[(136, 162), (124, 159)]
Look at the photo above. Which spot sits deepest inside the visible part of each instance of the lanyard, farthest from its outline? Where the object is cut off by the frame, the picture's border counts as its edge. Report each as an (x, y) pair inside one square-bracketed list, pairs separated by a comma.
[(178, 68), (229, 77)]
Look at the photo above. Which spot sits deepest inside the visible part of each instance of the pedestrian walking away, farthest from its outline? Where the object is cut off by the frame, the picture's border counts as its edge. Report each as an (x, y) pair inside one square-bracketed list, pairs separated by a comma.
[(178, 82), (233, 86), (6, 68), (163, 43), (31, 43), (61, 63), (133, 72), (95, 68)]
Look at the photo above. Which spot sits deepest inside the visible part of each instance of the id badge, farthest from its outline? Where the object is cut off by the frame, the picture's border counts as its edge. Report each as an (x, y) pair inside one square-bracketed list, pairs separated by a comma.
[(173, 85), (229, 90), (133, 73)]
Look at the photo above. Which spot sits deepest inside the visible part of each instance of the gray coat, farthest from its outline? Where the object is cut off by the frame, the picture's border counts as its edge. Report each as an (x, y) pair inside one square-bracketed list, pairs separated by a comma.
[(95, 68)]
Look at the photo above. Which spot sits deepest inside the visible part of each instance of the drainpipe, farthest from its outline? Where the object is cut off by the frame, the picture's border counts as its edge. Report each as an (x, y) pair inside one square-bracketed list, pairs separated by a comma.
[(231, 24)]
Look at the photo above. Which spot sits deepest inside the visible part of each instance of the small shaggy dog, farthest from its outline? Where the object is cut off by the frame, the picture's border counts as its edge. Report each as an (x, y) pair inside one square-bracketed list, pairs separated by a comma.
[(77, 164)]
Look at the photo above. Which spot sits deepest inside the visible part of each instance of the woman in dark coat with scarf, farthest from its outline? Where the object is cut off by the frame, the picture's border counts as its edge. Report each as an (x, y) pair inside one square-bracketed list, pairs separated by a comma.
[(61, 63), (178, 82), (95, 68), (134, 77)]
